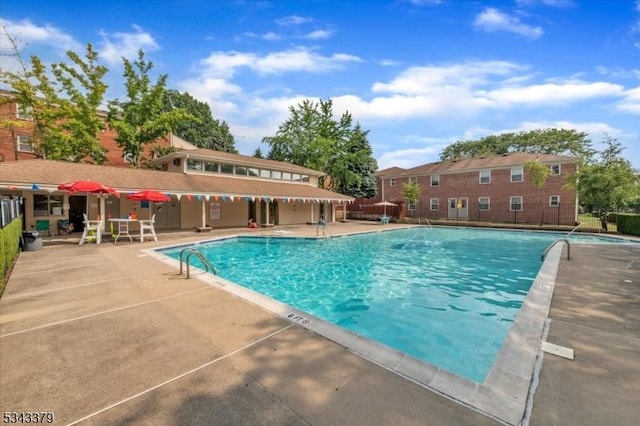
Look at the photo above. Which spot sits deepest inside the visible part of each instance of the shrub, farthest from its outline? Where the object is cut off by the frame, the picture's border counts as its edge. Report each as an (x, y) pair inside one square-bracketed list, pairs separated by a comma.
[(629, 224)]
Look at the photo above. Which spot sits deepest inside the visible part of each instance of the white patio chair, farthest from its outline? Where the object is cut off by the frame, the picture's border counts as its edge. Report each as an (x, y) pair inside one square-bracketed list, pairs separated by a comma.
[(148, 225), (94, 226)]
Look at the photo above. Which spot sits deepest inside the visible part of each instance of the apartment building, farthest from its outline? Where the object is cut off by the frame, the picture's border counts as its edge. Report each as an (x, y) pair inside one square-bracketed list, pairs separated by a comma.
[(489, 189), (19, 142)]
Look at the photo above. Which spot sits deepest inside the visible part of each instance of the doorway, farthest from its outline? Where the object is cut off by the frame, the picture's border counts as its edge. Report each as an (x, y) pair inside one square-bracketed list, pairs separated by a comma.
[(458, 208)]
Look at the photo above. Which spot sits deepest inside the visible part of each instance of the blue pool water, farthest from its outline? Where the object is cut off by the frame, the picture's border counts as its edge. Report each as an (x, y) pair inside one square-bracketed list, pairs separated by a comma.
[(445, 296)]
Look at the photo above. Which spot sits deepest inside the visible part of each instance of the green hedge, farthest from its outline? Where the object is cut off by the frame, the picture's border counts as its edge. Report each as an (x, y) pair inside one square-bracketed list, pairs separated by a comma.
[(629, 224), (9, 248)]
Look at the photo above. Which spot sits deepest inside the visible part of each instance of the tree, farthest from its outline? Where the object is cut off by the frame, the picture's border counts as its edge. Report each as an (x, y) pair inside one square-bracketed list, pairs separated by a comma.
[(352, 169), (309, 137), (140, 120), (84, 89), (546, 141), (312, 138), (411, 192), (538, 174), (258, 153), (64, 110), (205, 131), (608, 182)]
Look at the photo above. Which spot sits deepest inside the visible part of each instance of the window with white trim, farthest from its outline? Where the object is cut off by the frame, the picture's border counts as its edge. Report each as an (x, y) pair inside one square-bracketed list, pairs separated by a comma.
[(435, 180), (484, 204), (485, 176), (411, 206), (554, 201), (413, 179), (210, 167), (517, 174), (392, 182), (515, 204), (24, 143), (24, 112), (555, 169), (434, 204)]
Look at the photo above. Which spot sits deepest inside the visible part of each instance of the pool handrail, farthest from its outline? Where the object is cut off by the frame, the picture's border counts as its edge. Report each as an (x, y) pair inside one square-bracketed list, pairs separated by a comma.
[(574, 229), (200, 256), (559, 240)]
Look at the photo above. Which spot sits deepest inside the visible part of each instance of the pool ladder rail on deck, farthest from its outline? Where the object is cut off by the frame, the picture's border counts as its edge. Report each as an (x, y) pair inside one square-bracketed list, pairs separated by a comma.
[(200, 256), (559, 240)]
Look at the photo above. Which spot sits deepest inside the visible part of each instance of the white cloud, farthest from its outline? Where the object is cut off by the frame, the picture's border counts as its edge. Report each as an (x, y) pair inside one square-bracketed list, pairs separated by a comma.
[(552, 3), (293, 20), (319, 35), (26, 32), (423, 2), (388, 62), (271, 36), (224, 64), (631, 101), (551, 93), (117, 45), (492, 20)]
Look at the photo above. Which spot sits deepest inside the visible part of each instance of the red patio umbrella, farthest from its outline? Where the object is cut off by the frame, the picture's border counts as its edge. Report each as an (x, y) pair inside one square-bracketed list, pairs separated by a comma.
[(149, 195), (86, 186)]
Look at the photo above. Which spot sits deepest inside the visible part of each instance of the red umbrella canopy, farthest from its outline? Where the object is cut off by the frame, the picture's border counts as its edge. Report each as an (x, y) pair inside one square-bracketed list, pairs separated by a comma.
[(149, 195), (87, 186)]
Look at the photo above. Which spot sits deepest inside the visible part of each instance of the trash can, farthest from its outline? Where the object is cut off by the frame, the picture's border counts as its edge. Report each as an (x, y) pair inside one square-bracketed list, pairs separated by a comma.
[(31, 241)]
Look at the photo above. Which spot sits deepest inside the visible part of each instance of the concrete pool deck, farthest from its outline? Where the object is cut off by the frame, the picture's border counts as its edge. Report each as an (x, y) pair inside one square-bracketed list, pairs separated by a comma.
[(109, 334)]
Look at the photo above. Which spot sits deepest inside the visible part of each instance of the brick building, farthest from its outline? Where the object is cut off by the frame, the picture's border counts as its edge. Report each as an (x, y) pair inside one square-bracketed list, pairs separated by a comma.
[(19, 142), (489, 189)]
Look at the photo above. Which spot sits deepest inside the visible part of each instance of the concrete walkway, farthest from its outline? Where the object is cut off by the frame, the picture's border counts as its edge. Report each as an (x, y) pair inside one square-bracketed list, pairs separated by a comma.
[(105, 334)]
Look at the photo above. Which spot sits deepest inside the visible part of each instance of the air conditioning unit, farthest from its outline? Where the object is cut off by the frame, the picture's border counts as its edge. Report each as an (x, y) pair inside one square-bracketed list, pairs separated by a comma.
[(176, 162)]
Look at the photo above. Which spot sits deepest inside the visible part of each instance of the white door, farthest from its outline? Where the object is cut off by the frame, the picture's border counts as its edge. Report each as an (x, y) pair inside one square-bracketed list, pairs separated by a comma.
[(458, 208)]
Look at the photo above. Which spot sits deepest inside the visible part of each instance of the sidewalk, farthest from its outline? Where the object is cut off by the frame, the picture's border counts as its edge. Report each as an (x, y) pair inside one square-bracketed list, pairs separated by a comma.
[(104, 334)]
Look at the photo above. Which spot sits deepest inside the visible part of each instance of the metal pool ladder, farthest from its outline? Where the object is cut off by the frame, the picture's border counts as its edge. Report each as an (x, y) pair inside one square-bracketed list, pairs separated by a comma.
[(559, 240), (200, 256)]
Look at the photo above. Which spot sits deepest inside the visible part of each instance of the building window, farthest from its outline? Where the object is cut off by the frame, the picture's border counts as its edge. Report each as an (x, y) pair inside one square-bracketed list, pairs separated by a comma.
[(253, 172), (516, 174), (24, 112), (515, 204), (47, 205), (265, 173), (241, 171), (435, 180), (484, 204), (554, 201), (434, 204), (555, 169), (226, 169), (295, 177), (392, 182), (127, 157), (305, 178), (413, 179), (195, 165), (211, 167), (411, 207), (286, 176), (275, 174), (24, 143), (485, 176)]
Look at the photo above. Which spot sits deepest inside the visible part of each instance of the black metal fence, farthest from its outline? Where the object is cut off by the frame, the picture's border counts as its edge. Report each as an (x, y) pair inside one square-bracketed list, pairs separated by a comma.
[(10, 208), (564, 215)]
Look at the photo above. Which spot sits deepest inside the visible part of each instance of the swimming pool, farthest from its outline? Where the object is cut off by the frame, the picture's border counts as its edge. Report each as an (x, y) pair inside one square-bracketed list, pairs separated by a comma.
[(445, 296)]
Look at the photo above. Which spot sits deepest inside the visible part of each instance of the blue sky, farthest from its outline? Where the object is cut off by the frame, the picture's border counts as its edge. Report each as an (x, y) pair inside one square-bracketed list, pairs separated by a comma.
[(419, 74)]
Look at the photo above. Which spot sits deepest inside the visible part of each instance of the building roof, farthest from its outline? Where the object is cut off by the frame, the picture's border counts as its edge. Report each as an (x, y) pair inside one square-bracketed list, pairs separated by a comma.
[(245, 160), (476, 163), (48, 174)]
